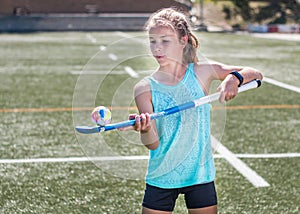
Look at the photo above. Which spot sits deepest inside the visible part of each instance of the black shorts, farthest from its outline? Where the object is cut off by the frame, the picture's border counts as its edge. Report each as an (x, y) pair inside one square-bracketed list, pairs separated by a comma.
[(196, 196)]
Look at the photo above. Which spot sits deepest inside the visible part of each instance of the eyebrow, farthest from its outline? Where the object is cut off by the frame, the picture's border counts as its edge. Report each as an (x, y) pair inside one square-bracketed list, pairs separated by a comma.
[(163, 36)]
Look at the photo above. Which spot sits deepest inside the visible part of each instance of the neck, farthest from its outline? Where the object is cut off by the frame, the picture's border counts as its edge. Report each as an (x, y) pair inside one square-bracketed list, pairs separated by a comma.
[(171, 74)]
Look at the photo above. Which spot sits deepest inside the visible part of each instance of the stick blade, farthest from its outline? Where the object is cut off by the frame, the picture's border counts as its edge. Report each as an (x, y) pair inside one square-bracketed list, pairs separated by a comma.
[(88, 129)]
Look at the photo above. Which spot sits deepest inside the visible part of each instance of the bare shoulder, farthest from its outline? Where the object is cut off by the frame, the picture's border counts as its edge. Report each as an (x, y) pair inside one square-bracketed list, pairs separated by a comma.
[(214, 70), (142, 87), (143, 96), (211, 66), (207, 71)]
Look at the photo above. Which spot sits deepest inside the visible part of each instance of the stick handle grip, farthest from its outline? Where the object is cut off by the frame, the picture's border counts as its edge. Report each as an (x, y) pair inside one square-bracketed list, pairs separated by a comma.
[(250, 85), (213, 97)]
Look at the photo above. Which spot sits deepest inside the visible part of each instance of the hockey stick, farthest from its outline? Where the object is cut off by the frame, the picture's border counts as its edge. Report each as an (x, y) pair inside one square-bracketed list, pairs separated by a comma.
[(192, 104)]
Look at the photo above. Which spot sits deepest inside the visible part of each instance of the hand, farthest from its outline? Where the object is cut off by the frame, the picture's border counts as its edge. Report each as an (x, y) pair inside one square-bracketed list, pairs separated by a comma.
[(142, 123), (228, 88)]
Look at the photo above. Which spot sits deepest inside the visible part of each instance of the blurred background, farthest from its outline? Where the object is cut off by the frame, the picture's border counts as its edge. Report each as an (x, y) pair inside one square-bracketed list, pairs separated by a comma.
[(212, 15)]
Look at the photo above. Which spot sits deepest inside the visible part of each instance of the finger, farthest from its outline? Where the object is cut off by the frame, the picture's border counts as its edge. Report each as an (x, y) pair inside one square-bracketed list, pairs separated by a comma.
[(132, 116), (227, 98), (147, 126), (148, 119), (230, 95), (143, 121), (137, 125), (127, 128), (134, 127), (222, 97)]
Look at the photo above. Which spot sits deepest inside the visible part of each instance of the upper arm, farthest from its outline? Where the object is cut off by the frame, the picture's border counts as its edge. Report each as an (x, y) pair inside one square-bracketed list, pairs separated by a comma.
[(143, 97), (206, 73), (221, 71)]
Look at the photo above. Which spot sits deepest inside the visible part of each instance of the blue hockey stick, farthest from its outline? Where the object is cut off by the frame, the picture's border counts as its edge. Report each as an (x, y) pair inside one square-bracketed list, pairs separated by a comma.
[(192, 104)]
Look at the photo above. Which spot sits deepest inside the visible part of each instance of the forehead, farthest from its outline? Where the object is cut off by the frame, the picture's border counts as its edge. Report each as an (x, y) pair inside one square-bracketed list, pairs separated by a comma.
[(162, 31)]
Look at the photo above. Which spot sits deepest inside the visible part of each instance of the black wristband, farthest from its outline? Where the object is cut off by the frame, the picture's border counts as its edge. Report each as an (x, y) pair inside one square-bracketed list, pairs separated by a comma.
[(238, 76)]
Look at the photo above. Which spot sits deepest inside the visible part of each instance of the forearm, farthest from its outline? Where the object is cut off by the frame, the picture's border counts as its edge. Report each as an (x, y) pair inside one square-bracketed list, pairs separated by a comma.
[(222, 72), (147, 129), (144, 124), (150, 139), (242, 76), (250, 74), (229, 86)]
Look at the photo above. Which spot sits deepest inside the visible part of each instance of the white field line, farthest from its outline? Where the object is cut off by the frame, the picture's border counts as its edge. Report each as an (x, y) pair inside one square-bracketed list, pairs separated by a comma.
[(115, 72), (140, 157), (91, 38), (97, 72), (102, 48), (137, 38), (274, 155), (281, 84), (73, 159), (281, 36), (113, 57), (240, 166), (131, 72)]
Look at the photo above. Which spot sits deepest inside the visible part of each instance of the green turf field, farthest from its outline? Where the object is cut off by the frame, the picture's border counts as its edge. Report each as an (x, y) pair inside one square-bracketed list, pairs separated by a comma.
[(40, 83)]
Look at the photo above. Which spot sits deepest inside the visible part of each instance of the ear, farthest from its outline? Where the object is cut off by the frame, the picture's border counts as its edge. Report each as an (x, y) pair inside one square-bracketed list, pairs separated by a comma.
[(184, 40)]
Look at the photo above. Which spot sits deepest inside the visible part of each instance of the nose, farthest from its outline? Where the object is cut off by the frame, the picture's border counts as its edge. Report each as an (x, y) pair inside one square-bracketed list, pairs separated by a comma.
[(156, 47)]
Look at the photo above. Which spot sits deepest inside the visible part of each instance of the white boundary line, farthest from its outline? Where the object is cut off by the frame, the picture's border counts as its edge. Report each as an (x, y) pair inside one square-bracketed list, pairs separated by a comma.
[(91, 38), (113, 57), (276, 155), (281, 84), (136, 38), (239, 165), (99, 72), (138, 157), (280, 36), (72, 159), (116, 72), (131, 72)]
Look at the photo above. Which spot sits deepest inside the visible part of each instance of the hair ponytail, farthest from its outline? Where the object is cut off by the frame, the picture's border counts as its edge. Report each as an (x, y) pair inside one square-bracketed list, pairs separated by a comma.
[(190, 50)]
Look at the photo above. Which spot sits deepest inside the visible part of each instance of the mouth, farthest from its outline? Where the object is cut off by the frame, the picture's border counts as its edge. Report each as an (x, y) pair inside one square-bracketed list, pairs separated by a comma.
[(159, 57)]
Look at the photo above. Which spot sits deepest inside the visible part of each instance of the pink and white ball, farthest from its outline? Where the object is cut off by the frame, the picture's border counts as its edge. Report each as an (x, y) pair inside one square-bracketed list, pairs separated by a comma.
[(101, 116)]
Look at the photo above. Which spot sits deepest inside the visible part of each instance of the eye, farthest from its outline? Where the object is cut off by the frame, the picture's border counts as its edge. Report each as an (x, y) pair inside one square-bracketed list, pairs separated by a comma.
[(152, 41), (165, 41)]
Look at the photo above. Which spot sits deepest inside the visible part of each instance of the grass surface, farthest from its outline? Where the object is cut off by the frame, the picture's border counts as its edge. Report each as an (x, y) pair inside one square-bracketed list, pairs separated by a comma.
[(36, 72)]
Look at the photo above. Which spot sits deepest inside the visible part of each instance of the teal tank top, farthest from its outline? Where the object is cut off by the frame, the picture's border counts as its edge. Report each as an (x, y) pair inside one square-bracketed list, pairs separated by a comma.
[(184, 156)]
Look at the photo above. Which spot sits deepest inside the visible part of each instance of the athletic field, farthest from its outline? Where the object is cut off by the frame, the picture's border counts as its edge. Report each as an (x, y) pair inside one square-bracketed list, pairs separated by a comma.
[(50, 82)]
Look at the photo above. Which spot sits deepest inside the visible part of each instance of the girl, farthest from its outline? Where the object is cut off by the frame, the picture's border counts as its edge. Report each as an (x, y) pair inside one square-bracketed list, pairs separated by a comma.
[(181, 160)]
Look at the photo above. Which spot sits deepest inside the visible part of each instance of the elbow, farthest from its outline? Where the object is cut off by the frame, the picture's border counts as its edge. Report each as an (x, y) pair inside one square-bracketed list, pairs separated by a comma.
[(256, 74), (260, 76), (252, 73), (152, 146)]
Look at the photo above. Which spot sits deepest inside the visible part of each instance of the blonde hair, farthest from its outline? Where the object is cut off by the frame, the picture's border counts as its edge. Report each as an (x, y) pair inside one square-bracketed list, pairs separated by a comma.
[(179, 23)]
